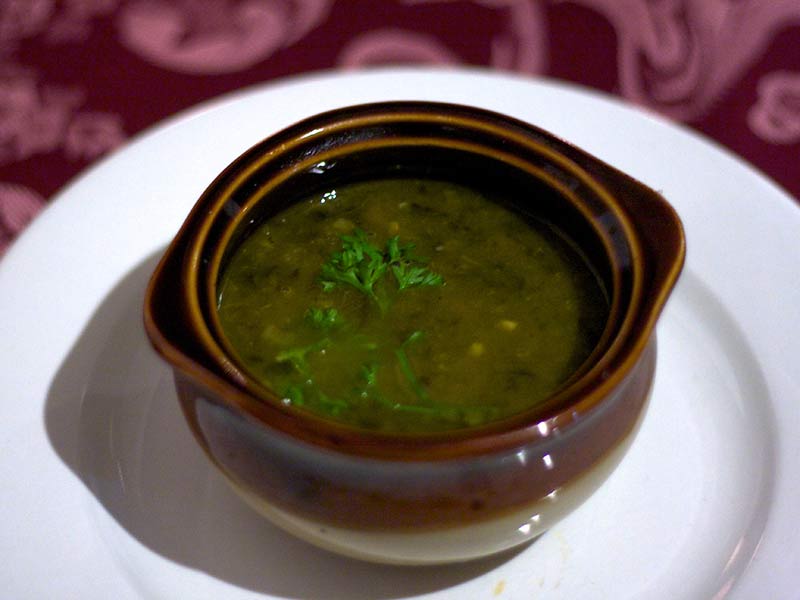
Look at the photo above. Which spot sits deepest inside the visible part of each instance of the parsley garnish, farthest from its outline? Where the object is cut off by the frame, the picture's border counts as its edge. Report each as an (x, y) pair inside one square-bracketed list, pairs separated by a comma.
[(361, 264), (358, 264), (323, 318), (297, 357), (408, 270), (369, 374), (405, 367)]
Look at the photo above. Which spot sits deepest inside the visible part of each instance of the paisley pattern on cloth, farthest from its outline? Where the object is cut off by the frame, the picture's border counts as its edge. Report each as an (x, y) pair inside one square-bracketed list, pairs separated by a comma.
[(78, 77), (18, 205)]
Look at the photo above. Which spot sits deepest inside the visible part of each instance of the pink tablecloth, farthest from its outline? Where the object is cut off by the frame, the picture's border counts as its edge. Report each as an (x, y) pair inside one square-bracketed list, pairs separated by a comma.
[(79, 77)]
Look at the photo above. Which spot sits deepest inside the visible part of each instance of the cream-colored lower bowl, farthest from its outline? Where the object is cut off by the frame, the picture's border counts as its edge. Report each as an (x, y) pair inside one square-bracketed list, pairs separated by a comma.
[(452, 544)]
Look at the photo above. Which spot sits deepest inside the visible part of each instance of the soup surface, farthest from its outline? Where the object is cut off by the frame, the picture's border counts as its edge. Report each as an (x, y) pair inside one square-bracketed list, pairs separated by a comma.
[(409, 305)]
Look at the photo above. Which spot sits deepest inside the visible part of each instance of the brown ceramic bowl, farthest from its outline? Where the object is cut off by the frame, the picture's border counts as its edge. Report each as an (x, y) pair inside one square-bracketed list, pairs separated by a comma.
[(429, 498)]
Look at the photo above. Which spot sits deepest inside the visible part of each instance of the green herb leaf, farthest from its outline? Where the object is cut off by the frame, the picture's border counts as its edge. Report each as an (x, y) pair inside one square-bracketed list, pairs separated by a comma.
[(298, 357), (293, 394), (407, 370), (332, 406), (409, 270), (408, 276), (359, 264), (308, 395), (369, 374), (413, 337), (323, 318)]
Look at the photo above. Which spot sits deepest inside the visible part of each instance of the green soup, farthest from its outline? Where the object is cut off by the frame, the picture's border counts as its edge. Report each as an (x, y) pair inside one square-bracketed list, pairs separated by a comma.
[(409, 305)]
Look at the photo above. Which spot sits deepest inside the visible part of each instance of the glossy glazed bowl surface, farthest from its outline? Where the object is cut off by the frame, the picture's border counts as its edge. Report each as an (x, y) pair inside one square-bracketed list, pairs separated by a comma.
[(428, 498)]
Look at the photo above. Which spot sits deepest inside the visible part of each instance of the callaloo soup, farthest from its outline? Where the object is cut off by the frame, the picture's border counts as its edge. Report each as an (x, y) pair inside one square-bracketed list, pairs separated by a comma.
[(409, 305)]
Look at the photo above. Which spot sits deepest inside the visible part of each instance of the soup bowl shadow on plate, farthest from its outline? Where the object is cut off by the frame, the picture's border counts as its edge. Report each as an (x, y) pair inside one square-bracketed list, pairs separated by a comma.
[(434, 497)]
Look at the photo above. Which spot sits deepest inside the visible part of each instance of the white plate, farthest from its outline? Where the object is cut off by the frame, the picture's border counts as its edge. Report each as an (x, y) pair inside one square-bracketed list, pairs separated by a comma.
[(104, 493)]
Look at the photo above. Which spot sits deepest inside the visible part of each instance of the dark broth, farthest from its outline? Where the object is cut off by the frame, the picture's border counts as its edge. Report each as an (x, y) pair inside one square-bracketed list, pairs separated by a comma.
[(509, 309)]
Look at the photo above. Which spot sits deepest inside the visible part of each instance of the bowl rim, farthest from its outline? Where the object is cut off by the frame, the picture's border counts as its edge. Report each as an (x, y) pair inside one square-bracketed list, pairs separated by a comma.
[(578, 397)]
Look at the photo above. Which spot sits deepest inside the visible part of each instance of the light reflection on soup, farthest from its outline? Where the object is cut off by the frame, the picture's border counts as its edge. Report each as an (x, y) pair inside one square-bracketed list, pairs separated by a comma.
[(409, 305)]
